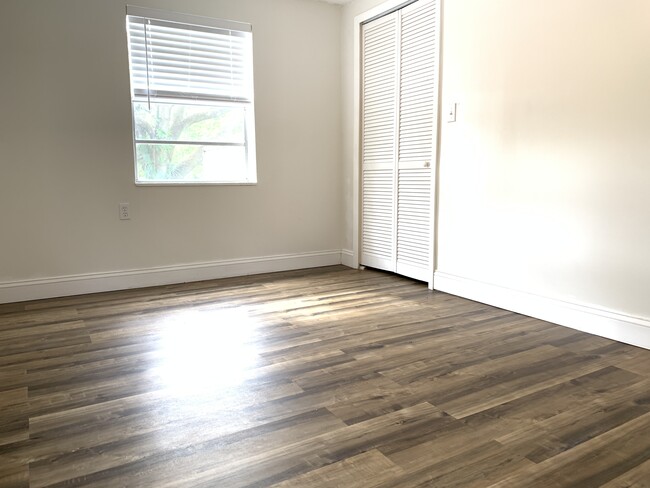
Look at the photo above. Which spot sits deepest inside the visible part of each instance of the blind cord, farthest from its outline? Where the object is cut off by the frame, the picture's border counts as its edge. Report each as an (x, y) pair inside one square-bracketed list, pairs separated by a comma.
[(146, 61), (232, 82)]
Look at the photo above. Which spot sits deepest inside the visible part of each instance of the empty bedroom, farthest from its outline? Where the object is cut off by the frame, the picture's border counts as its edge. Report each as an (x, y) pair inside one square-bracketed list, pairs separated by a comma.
[(325, 243)]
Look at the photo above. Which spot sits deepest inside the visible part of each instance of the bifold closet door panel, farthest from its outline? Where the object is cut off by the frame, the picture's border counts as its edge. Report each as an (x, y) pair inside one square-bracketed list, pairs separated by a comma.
[(416, 139), (378, 142)]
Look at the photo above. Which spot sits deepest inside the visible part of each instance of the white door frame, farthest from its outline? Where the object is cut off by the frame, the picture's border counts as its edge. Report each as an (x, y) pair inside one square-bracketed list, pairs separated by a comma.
[(378, 11)]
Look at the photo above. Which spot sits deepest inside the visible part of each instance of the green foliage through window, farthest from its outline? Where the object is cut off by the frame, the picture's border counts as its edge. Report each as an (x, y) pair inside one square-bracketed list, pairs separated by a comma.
[(183, 142)]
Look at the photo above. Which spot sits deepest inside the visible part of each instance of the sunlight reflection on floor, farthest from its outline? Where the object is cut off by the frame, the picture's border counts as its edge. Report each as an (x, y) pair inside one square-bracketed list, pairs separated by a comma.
[(204, 351)]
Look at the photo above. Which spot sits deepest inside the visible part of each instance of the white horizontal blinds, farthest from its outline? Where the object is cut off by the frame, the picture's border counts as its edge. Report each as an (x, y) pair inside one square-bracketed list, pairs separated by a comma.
[(379, 111), (171, 59), (416, 135), (417, 82)]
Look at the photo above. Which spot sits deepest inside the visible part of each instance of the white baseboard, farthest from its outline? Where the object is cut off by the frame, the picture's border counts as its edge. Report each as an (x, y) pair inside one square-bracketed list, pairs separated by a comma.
[(598, 321), (19, 291), (347, 258)]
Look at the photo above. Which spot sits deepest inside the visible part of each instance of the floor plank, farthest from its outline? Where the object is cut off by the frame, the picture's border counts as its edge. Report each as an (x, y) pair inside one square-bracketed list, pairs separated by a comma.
[(365, 470)]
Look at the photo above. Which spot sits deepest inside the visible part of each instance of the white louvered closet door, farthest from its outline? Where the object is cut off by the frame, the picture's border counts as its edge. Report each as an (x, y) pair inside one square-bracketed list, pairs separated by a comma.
[(379, 125), (399, 111), (416, 139)]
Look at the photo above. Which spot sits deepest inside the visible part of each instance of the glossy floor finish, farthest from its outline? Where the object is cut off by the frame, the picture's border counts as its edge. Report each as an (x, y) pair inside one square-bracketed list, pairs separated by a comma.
[(321, 378)]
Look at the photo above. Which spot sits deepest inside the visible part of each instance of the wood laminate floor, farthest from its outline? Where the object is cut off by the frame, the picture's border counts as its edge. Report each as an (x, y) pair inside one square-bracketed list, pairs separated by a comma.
[(321, 378)]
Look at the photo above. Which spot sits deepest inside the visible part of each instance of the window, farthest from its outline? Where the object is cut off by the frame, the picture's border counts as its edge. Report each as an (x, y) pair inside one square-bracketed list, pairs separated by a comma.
[(192, 98)]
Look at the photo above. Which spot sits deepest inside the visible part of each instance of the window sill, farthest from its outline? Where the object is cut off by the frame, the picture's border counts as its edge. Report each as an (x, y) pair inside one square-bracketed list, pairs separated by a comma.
[(196, 183)]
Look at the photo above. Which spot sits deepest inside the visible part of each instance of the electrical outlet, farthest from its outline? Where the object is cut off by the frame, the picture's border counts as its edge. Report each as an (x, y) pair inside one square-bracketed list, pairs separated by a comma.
[(125, 214)]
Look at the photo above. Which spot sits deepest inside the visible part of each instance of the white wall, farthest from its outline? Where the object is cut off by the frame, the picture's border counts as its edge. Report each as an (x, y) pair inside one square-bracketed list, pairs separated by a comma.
[(545, 177), (66, 156)]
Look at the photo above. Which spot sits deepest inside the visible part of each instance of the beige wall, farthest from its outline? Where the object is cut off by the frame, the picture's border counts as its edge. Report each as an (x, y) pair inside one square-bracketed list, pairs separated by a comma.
[(66, 152), (545, 177)]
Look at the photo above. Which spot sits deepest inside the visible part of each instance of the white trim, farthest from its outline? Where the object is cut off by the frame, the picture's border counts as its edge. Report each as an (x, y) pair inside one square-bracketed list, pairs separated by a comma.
[(382, 9), (18, 291), (587, 318), (356, 140), (437, 141), (347, 259)]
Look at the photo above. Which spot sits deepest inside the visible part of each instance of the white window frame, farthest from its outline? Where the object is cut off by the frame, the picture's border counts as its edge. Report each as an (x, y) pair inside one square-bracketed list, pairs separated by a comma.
[(241, 96)]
